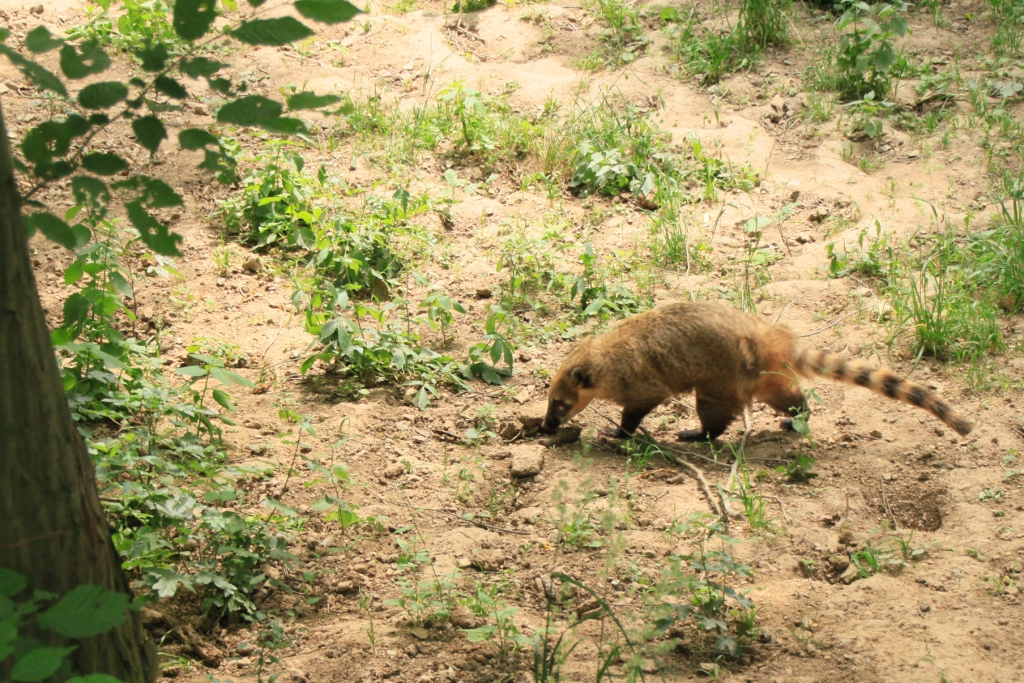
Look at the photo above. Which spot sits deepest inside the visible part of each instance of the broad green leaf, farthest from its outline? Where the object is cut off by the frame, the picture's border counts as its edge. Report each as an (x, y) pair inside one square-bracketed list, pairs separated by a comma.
[(192, 371), (4, 34), (84, 61), (74, 272), (201, 66), (279, 31), (40, 40), (224, 400), (91, 191), (327, 11), (8, 634), (154, 57), (884, 59), (253, 110), (193, 18), (899, 26), (170, 87), (86, 611), (55, 230), (122, 285), (104, 163), (93, 678), (153, 233), (102, 95), (47, 140), (150, 132), (11, 582), (39, 663), (156, 194), (310, 100), (196, 138), (42, 77)]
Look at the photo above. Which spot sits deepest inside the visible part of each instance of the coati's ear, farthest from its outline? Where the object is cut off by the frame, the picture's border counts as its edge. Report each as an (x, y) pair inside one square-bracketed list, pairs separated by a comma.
[(580, 377)]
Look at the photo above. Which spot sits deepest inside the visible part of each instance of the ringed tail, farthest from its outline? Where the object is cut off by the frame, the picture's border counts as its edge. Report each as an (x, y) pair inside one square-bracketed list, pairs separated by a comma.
[(808, 362)]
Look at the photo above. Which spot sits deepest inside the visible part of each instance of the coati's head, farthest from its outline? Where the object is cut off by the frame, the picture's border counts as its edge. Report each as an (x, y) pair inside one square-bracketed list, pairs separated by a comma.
[(569, 394)]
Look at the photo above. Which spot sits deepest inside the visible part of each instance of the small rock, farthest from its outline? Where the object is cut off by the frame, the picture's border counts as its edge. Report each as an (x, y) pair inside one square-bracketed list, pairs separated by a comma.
[(527, 461), (570, 434), (939, 431), (253, 265), (171, 671), (258, 448), (394, 471), (489, 560), (461, 617), (804, 238), (345, 588), (38, 9), (508, 431), (412, 650), (221, 282), (421, 633), (849, 575), (465, 563), (299, 676), (924, 607), (242, 663), (875, 434), (522, 397), (483, 293), (819, 214)]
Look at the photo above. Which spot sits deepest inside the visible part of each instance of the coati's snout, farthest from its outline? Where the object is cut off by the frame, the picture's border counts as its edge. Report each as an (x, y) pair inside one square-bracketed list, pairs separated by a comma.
[(564, 399)]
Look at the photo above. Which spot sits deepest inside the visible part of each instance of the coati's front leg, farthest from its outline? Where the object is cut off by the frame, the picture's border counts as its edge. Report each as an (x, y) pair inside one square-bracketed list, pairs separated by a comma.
[(716, 414), (632, 416), (792, 402)]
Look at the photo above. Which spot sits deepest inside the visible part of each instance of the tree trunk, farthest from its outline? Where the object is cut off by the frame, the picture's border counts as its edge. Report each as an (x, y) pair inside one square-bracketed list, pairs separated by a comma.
[(52, 528)]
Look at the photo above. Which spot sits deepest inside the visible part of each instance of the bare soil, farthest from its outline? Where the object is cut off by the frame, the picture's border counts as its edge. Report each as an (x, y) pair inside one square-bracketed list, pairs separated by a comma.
[(881, 465)]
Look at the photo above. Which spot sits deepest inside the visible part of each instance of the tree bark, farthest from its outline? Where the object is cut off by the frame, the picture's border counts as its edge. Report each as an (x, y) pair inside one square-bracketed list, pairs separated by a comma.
[(52, 527)]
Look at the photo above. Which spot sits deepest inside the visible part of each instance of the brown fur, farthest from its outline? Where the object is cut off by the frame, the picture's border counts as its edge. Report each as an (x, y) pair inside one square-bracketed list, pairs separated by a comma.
[(727, 357)]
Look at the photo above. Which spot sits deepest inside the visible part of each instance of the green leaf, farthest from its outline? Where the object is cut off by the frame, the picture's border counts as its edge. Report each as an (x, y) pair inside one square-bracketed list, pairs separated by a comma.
[(153, 233), (150, 132), (11, 583), (104, 163), (170, 87), (56, 230), (102, 95), (193, 18), (310, 100), (40, 40), (93, 678), (42, 77), (87, 60), (253, 110), (88, 190), (224, 400), (884, 59), (899, 26), (201, 66), (122, 285), (47, 140), (279, 31), (192, 371), (39, 663), (196, 138), (154, 57), (74, 272), (327, 11), (86, 611)]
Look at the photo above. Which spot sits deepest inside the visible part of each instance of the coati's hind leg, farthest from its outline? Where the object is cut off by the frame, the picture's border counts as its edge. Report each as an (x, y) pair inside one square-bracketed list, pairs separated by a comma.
[(632, 416), (716, 414)]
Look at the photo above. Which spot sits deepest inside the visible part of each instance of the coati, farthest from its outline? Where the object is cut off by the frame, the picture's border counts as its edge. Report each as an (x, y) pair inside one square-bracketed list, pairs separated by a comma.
[(727, 357)]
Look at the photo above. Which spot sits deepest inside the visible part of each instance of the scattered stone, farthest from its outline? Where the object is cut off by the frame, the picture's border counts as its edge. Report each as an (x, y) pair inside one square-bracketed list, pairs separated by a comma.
[(527, 460), (461, 617), (394, 471), (465, 563), (847, 538), (849, 575), (38, 9), (939, 431), (875, 434), (221, 282), (258, 448), (345, 588), (484, 293), (819, 214), (299, 676), (420, 633), (526, 515), (489, 560), (804, 238), (531, 425), (253, 265), (570, 434), (522, 397), (171, 671), (508, 431)]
